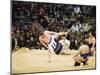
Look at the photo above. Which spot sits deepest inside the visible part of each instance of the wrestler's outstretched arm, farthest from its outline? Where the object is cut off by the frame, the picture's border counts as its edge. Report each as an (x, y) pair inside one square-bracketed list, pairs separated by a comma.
[(62, 33), (50, 32)]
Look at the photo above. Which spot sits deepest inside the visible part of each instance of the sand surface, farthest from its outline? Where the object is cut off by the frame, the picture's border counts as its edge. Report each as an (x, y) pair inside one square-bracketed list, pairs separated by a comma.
[(31, 61)]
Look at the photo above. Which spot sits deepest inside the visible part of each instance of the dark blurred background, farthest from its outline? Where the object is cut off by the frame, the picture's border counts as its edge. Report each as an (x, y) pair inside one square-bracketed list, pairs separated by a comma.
[(28, 18)]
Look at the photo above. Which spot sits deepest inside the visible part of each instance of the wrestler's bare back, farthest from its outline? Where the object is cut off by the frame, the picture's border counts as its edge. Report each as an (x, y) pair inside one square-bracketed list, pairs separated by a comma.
[(44, 38)]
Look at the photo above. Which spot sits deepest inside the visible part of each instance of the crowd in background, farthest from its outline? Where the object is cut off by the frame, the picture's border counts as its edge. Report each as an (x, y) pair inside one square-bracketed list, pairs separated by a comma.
[(28, 18)]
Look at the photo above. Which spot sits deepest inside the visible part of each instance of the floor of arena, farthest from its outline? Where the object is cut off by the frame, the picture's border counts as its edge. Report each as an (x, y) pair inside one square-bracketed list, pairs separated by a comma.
[(32, 61)]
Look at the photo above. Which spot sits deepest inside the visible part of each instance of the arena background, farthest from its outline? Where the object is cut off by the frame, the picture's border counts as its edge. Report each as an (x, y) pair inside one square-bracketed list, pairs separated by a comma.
[(29, 18)]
